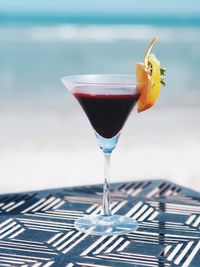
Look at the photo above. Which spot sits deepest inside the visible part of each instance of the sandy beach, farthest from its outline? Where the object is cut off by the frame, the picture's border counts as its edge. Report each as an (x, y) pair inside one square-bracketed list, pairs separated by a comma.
[(48, 148), (46, 140)]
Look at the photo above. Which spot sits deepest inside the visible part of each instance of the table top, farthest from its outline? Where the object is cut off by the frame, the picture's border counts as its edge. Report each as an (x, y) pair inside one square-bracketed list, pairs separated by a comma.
[(36, 228)]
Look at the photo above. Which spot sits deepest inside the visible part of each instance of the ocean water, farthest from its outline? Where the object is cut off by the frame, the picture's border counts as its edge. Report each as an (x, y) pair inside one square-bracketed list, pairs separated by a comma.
[(45, 138), (35, 56)]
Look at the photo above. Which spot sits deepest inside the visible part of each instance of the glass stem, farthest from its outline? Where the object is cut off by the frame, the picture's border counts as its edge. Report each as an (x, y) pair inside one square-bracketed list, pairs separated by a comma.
[(106, 211)]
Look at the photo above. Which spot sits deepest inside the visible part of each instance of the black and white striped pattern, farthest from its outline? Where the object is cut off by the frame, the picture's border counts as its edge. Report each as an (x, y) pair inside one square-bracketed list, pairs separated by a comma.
[(182, 253), (10, 228), (37, 229), (43, 204)]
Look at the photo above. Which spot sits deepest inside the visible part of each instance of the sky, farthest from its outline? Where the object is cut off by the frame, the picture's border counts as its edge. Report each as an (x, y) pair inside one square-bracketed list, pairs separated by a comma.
[(102, 6)]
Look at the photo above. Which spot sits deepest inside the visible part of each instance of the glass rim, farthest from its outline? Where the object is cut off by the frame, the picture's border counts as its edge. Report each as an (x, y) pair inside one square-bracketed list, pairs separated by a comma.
[(100, 78), (98, 74)]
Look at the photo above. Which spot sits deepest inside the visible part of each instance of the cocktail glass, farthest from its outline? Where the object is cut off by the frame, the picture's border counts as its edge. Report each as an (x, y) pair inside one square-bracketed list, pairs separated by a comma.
[(107, 101)]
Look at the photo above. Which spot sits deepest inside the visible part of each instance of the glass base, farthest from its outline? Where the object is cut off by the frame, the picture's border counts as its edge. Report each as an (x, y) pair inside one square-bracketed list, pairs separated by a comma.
[(106, 225)]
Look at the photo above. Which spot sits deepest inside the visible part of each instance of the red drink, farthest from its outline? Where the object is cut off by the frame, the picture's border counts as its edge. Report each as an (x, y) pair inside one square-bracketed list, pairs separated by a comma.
[(108, 112)]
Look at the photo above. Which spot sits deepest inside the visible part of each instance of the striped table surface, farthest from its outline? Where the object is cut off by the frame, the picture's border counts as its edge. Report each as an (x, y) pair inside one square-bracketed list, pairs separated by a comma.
[(36, 228)]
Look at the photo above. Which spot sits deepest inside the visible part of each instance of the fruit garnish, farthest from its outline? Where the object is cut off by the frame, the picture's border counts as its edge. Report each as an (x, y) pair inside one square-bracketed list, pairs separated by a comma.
[(149, 77)]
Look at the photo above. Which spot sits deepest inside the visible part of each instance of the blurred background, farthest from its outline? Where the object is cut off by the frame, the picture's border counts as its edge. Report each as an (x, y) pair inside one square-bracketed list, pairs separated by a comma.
[(46, 140)]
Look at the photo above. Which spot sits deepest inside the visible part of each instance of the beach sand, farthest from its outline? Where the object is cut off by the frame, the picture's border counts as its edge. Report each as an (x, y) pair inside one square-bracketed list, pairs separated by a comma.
[(56, 147), (45, 138)]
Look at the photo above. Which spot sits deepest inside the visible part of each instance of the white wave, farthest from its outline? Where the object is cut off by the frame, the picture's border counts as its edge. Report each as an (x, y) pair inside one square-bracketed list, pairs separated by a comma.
[(97, 33)]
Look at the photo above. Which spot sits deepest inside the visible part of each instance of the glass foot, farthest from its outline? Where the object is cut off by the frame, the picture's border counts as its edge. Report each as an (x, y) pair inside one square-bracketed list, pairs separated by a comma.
[(106, 225)]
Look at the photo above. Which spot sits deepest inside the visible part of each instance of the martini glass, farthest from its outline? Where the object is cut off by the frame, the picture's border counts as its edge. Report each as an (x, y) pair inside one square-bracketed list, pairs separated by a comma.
[(107, 101)]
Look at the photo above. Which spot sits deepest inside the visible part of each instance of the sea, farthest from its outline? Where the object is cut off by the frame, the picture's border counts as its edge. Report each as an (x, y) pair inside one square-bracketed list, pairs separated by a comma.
[(46, 140), (37, 50)]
